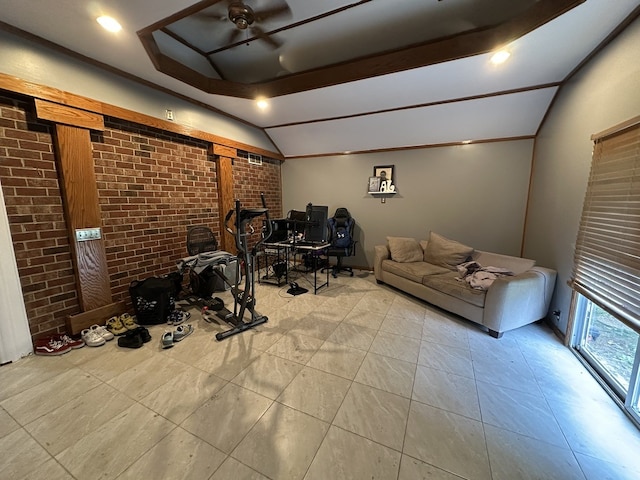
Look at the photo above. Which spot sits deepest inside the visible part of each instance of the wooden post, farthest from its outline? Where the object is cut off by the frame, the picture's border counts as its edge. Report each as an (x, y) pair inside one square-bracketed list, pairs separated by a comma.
[(224, 169)]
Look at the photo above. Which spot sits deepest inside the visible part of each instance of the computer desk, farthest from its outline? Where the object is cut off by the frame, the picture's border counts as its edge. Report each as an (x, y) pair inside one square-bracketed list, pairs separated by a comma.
[(292, 250)]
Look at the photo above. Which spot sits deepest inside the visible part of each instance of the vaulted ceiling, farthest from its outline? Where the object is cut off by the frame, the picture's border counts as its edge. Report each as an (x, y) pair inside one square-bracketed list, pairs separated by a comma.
[(344, 76)]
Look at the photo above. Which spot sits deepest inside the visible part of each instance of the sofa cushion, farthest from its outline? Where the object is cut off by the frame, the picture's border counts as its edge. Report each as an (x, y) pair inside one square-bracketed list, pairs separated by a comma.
[(414, 271), (446, 253), (451, 284), (405, 249)]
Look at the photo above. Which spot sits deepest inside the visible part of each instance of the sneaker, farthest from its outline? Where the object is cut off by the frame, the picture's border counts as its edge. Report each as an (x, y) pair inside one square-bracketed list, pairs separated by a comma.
[(50, 346), (115, 326), (167, 340), (182, 331), (91, 338), (103, 332), (128, 321), (67, 340), (177, 317), (131, 339)]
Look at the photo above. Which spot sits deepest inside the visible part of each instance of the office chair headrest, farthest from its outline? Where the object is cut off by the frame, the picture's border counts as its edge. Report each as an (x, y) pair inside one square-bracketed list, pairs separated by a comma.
[(341, 213)]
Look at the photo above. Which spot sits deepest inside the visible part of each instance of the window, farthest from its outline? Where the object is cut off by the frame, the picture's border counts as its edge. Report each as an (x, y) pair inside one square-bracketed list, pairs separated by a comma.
[(606, 275)]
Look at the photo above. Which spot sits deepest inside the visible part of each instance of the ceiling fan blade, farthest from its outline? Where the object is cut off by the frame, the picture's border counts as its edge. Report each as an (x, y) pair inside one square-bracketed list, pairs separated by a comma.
[(258, 32), (233, 35), (273, 12)]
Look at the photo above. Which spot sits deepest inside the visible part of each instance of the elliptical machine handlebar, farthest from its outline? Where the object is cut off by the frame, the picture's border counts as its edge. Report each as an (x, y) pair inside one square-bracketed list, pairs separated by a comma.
[(243, 218)]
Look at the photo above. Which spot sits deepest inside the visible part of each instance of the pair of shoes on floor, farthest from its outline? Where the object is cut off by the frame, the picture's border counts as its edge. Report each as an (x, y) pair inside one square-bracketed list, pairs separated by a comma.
[(102, 332), (57, 344), (134, 338), (177, 317), (93, 337), (119, 325), (169, 338)]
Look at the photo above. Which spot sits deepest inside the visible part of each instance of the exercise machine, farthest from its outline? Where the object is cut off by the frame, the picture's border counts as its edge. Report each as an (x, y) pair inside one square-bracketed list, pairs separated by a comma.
[(243, 300)]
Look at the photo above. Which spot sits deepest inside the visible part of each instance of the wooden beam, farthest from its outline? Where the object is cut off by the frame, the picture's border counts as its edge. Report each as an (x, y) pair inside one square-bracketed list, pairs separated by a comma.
[(224, 177), (80, 200), (23, 87), (58, 113)]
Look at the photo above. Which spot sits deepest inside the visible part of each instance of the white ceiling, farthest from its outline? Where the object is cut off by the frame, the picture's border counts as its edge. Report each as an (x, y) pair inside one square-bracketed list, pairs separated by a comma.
[(465, 99)]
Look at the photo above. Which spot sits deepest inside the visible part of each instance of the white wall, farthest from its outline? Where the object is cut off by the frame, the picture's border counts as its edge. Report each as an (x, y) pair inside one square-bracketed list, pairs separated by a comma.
[(15, 337), (473, 193), (604, 93), (29, 61)]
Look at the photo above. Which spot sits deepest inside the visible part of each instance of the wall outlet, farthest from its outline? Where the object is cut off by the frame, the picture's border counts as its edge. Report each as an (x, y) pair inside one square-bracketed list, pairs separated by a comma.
[(169, 114), (84, 234)]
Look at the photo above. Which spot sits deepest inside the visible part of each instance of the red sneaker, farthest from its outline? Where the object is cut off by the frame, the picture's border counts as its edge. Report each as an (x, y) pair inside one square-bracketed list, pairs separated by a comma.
[(67, 340), (50, 346)]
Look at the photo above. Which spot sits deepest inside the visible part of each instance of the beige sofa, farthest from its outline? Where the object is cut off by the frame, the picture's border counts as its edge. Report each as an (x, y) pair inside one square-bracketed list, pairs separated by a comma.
[(429, 270)]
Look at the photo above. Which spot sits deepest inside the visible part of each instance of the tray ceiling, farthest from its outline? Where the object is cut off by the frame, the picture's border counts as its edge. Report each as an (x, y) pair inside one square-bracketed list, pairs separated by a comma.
[(345, 76)]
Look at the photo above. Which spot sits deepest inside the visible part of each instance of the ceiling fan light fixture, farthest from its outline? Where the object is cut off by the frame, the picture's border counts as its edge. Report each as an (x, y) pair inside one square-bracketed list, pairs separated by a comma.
[(109, 23), (500, 57)]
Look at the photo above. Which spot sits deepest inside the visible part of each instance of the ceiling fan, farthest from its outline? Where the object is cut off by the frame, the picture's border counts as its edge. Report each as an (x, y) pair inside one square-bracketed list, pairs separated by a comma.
[(245, 18)]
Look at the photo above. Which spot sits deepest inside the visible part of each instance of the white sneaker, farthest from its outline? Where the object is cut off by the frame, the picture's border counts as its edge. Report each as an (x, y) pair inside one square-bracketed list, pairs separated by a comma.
[(92, 339), (102, 331)]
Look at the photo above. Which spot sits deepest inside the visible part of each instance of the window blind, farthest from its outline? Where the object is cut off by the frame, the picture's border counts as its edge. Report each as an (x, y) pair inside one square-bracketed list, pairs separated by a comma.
[(607, 253)]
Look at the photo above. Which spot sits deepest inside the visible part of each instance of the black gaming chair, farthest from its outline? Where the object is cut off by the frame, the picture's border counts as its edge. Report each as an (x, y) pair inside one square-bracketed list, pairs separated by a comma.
[(341, 246)]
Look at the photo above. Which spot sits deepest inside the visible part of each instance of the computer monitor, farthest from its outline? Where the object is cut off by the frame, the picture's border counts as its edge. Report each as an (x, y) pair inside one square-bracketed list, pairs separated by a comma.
[(316, 227), (279, 231), (296, 221)]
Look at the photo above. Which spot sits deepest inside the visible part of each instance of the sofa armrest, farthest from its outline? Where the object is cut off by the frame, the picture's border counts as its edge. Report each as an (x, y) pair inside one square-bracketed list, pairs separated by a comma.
[(512, 302), (381, 253)]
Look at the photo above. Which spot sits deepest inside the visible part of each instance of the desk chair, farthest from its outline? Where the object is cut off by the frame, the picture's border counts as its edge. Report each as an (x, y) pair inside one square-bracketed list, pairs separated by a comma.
[(201, 239), (341, 227)]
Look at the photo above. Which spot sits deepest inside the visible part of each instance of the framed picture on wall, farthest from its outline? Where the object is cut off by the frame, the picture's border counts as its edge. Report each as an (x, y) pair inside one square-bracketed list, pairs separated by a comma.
[(374, 184), (385, 172)]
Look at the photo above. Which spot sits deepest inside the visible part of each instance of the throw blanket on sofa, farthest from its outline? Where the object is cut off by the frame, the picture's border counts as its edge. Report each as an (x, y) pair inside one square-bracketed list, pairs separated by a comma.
[(480, 277)]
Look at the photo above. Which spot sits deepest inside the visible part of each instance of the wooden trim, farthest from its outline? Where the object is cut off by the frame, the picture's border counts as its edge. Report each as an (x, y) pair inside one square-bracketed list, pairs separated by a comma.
[(80, 199), (91, 61), (415, 147), (77, 323), (223, 151), (69, 116), (224, 177), (17, 85), (632, 122), (23, 87)]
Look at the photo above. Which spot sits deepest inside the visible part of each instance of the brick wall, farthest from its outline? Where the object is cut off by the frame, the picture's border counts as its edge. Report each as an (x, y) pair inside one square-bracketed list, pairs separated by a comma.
[(250, 180), (36, 216), (152, 185)]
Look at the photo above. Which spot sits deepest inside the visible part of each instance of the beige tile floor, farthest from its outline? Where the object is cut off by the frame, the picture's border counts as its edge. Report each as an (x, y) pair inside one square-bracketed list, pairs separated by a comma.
[(357, 382)]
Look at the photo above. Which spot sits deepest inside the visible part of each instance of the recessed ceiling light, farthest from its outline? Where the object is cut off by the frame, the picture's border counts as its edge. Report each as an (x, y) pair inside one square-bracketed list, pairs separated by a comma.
[(500, 56), (466, 142), (262, 104), (109, 23)]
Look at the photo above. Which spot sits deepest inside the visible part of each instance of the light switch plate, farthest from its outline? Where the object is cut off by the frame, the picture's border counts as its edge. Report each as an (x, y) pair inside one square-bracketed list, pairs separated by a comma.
[(84, 234)]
